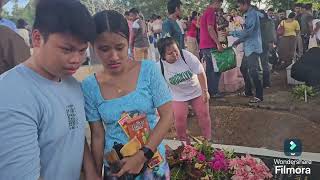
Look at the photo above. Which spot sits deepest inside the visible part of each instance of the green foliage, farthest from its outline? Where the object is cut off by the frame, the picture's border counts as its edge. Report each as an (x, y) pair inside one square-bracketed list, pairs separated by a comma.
[(300, 91), (206, 148), (194, 5), (315, 3), (95, 6), (27, 13), (147, 8)]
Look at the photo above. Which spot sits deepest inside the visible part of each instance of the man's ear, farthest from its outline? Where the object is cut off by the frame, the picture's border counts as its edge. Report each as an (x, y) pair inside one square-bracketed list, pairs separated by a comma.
[(36, 38)]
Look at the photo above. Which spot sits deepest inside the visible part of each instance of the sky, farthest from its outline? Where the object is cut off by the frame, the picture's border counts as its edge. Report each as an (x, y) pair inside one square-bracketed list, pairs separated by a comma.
[(9, 5)]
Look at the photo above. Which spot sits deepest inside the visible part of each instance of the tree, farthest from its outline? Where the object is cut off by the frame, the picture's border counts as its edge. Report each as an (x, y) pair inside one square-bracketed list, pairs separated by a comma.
[(95, 6), (147, 8), (194, 5), (27, 13)]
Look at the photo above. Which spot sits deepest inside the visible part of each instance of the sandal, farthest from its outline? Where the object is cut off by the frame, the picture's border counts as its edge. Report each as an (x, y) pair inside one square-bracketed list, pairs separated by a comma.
[(255, 100)]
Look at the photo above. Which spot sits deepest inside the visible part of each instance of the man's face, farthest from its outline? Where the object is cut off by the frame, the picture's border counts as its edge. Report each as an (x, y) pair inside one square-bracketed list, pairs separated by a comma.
[(271, 14), (282, 15), (243, 7), (297, 10), (61, 55), (133, 16), (179, 11)]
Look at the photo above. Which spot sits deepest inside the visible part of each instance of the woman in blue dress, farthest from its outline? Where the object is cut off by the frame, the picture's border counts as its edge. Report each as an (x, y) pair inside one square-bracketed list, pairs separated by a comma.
[(125, 86)]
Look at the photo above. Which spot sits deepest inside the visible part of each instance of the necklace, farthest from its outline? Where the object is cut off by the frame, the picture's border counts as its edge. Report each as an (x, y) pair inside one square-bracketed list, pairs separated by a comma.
[(119, 90)]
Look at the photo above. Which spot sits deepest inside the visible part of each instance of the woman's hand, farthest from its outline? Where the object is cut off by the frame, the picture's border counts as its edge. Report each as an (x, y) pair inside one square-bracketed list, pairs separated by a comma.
[(132, 165), (205, 96)]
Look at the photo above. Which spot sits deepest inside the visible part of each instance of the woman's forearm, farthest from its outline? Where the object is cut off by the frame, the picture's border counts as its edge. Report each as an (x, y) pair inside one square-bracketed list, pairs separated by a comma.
[(203, 81), (162, 128)]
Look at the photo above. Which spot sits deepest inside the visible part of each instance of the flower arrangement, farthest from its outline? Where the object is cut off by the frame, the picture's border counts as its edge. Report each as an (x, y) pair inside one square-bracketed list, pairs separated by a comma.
[(201, 161)]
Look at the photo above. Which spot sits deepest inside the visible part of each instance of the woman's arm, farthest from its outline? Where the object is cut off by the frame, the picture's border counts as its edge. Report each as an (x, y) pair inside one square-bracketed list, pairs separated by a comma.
[(204, 86), (97, 143), (90, 170), (163, 126)]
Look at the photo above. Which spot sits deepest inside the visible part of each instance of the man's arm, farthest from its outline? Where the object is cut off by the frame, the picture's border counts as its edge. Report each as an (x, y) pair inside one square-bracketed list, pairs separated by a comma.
[(250, 23), (19, 148), (211, 22), (214, 36)]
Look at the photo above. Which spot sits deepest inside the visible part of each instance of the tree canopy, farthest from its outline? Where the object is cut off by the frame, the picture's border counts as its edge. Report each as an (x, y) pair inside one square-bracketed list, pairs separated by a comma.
[(147, 7)]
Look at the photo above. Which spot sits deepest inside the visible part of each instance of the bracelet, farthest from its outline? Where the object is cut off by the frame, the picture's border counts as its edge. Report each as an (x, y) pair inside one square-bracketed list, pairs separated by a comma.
[(205, 90)]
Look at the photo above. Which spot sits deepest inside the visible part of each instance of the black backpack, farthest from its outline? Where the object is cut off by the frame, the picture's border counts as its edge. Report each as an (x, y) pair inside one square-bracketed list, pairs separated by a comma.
[(267, 29), (161, 63)]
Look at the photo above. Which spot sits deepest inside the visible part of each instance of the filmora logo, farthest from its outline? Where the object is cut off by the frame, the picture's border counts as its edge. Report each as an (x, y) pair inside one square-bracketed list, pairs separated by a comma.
[(291, 170), (292, 147)]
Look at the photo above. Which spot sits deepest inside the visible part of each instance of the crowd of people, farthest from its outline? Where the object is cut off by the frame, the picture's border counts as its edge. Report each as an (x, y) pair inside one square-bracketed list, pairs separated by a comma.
[(43, 108)]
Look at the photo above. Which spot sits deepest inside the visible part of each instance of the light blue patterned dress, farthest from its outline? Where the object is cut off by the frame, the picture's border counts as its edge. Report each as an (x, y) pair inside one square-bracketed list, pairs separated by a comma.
[(151, 92)]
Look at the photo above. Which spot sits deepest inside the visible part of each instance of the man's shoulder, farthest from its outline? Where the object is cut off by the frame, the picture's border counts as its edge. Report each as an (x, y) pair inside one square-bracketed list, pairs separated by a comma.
[(14, 86), (6, 31)]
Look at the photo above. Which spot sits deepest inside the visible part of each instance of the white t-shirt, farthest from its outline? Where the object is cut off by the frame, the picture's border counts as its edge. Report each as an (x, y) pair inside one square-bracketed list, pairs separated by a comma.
[(180, 25), (182, 77), (157, 25), (25, 35), (314, 22)]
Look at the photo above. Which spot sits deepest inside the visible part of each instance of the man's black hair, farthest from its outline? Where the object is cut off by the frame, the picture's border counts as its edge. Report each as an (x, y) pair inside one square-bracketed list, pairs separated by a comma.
[(134, 11), (281, 11), (172, 5), (270, 10), (298, 5), (64, 16), (309, 6), (126, 13), (244, 2)]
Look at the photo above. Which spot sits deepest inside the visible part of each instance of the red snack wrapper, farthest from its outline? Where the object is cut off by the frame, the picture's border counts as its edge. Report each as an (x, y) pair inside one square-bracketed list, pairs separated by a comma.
[(139, 127), (125, 118)]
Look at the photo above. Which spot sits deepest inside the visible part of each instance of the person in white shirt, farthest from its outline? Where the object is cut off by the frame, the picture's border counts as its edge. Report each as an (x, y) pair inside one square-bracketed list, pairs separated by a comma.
[(23, 31), (157, 26), (187, 81)]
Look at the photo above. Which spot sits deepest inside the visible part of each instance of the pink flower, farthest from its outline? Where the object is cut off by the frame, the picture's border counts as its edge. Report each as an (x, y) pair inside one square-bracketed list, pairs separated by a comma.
[(219, 162), (249, 168), (201, 157), (188, 153)]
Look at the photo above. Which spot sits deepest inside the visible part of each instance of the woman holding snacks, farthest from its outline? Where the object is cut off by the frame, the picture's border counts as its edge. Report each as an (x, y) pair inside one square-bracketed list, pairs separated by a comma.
[(125, 89)]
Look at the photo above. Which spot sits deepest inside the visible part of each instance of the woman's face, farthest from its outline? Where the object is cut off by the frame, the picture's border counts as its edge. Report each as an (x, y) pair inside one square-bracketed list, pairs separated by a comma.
[(172, 53), (112, 50)]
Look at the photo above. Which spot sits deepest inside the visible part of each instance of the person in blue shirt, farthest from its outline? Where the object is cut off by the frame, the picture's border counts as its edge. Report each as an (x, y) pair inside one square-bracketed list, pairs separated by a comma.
[(251, 68), (42, 117), (125, 86), (6, 22)]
